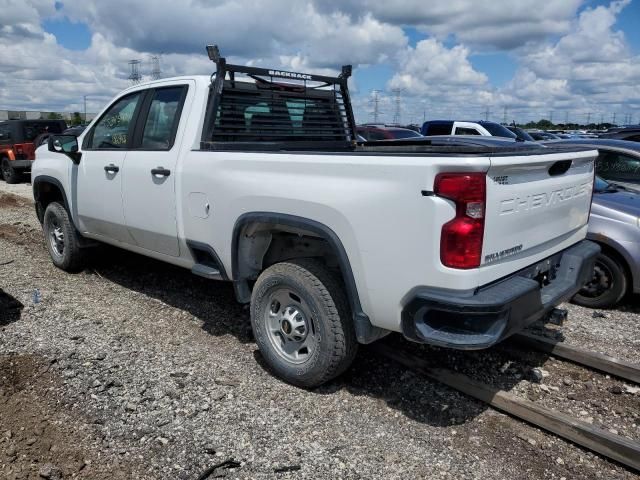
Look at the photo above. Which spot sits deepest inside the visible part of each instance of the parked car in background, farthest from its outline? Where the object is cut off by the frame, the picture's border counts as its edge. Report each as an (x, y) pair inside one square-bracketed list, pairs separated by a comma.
[(618, 161), (451, 127), (75, 130), (385, 132), (631, 134), (614, 225), (520, 133), (540, 135), (18, 143)]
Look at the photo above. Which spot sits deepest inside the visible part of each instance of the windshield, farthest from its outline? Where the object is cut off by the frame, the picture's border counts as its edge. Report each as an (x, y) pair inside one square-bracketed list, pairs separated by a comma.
[(498, 130), (404, 133), (522, 134), (600, 185), (33, 129)]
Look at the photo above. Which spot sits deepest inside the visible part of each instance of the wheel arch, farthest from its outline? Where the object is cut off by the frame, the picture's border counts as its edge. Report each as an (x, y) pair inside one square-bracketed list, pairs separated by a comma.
[(277, 222), (47, 189), (618, 251), (618, 255)]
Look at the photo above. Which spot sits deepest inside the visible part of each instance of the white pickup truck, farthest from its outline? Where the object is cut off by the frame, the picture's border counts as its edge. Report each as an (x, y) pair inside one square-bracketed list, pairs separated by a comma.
[(255, 176)]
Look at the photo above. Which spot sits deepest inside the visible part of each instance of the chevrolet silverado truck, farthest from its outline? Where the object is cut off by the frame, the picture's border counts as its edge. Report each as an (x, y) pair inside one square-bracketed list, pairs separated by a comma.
[(255, 176)]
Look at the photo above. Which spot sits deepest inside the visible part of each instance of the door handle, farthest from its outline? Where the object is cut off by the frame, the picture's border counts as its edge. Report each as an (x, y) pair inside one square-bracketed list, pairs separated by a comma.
[(111, 168), (160, 171)]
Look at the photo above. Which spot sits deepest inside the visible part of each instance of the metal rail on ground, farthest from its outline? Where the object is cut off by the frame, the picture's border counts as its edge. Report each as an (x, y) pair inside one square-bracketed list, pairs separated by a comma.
[(595, 360), (582, 433)]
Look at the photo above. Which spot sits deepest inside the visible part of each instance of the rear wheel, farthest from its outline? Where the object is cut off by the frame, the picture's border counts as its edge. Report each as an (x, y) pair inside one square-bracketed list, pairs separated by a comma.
[(9, 174), (608, 285), (302, 323), (62, 239)]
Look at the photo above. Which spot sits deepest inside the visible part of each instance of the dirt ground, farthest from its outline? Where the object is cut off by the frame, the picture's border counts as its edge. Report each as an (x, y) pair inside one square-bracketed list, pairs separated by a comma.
[(137, 369)]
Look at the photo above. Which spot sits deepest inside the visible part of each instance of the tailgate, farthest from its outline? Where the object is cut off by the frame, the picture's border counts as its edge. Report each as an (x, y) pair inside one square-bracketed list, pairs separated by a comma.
[(534, 202)]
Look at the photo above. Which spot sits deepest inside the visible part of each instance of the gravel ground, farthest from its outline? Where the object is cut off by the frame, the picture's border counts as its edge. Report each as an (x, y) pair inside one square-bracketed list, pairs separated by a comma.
[(136, 369)]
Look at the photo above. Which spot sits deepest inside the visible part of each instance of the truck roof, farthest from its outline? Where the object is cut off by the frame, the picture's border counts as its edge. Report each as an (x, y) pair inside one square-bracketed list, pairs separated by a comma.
[(202, 79)]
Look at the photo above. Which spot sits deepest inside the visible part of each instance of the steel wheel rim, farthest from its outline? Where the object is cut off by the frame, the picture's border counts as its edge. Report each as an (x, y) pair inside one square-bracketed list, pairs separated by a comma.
[(56, 236), (601, 282), (289, 325)]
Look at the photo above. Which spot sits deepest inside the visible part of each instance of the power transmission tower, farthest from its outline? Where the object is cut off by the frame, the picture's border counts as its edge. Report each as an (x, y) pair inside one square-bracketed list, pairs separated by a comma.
[(156, 73), (601, 118), (487, 112), (566, 117), (397, 93), (588, 118), (504, 116), (551, 116), (134, 76), (613, 118), (376, 106)]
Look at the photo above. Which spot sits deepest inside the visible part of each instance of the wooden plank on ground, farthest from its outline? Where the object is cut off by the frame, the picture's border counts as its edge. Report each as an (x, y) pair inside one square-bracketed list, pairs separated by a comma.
[(598, 361), (582, 433)]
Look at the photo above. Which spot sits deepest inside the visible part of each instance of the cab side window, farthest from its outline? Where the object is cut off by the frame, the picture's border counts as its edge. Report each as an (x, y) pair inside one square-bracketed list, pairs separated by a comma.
[(162, 120), (466, 131), (5, 134), (113, 130), (618, 167), (376, 135)]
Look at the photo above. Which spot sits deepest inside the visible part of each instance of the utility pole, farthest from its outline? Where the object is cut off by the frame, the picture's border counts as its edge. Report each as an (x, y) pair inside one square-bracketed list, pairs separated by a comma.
[(551, 116), (566, 117), (588, 118), (613, 118), (85, 109), (504, 116), (135, 76), (156, 73), (397, 92), (601, 118), (376, 105)]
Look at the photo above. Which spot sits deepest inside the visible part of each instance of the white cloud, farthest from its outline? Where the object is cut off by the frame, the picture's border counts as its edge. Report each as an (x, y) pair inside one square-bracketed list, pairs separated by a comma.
[(430, 67), (245, 29), (499, 24), (589, 69)]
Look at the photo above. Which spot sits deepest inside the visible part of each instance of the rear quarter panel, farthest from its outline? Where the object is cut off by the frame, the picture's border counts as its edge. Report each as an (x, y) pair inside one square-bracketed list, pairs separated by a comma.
[(373, 203)]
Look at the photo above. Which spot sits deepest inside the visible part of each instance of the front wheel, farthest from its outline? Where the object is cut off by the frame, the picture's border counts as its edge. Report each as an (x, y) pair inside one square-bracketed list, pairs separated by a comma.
[(9, 174), (62, 239), (607, 287), (302, 323)]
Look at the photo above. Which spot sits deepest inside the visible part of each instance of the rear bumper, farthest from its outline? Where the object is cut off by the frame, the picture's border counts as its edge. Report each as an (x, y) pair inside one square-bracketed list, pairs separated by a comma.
[(22, 164), (482, 317)]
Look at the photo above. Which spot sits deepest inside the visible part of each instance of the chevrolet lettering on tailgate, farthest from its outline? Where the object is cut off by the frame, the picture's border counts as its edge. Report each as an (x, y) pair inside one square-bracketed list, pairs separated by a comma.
[(544, 199)]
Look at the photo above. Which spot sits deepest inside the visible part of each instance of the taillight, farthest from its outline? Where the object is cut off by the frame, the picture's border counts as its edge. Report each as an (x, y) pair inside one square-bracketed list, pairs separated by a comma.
[(461, 238)]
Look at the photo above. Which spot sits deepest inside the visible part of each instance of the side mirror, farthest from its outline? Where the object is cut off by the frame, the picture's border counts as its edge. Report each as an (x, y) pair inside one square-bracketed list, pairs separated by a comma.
[(67, 144)]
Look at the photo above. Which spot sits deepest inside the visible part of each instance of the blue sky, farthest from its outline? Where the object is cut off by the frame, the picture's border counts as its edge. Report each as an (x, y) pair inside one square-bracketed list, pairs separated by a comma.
[(449, 57)]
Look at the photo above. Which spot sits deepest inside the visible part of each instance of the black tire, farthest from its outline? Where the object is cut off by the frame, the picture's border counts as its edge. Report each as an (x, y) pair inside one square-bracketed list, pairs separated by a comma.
[(66, 255), (608, 286), (9, 174), (319, 295)]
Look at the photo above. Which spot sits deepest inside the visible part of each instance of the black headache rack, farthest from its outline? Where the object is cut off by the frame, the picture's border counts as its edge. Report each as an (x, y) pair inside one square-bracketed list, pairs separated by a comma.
[(279, 110)]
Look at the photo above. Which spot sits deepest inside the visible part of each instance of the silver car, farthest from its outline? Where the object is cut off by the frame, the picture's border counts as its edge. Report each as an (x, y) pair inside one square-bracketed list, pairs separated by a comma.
[(619, 160), (615, 225)]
